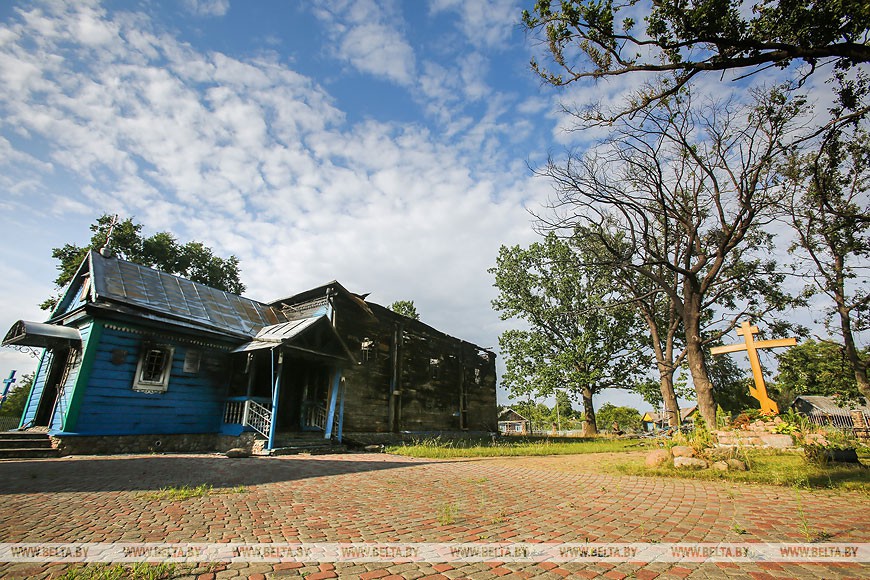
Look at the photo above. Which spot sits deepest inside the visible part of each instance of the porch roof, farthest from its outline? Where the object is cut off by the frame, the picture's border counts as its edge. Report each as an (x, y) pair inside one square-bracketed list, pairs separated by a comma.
[(287, 334), (277, 334), (39, 334)]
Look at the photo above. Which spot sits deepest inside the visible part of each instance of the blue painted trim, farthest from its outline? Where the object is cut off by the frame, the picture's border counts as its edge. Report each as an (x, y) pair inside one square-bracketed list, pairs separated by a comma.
[(38, 370), (232, 429), (341, 410), (261, 400), (276, 390), (333, 398)]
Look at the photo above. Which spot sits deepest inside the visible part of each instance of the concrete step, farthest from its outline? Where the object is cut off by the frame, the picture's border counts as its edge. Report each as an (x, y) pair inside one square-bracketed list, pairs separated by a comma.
[(311, 449), (29, 453), (23, 445), (23, 435)]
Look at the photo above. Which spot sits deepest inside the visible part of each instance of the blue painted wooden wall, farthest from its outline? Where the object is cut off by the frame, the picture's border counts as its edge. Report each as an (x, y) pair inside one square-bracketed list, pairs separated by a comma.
[(60, 410), (193, 402)]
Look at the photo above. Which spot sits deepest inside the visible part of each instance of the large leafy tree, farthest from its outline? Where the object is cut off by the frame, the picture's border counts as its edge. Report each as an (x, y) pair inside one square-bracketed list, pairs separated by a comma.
[(191, 260), (654, 306), (625, 418), (682, 39), (581, 338), (817, 368), (829, 209), (688, 189), (16, 398)]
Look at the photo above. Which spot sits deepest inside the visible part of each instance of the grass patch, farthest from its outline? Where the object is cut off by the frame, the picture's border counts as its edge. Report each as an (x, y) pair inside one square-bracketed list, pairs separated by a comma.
[(769, 467), (177, 493), (447, 514), (438, 448), (137, 571)]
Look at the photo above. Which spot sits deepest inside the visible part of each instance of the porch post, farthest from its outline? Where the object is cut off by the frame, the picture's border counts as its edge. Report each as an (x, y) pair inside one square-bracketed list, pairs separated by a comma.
[(276, 390), (343, 388), (333, 398)]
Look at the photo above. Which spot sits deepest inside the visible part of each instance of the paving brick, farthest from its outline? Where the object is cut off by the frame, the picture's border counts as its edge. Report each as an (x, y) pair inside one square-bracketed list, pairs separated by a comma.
[(360, 498)]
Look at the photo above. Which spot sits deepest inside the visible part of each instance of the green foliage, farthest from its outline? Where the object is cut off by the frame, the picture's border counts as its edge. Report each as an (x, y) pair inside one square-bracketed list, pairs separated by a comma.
[(627, 418), (438, 448), (828, 211), (192, 260), (731, 384), (768, 467), (581, 337), (16, 400), (177, 493), (683, 39), (817, 368), (405, 308), (136, 571)]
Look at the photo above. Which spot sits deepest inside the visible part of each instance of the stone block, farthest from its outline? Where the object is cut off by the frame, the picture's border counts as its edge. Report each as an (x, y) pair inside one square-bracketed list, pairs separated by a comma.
[(689, 463), (237, 452), (720, 466), (682, 451), (777, 440), (736, 465), (658, 458)]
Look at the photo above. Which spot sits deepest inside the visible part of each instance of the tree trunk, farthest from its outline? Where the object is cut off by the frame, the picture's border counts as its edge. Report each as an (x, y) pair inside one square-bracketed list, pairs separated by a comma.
[(695, 356), (666, 384), (665, 363), (858, 366), (589, 427)]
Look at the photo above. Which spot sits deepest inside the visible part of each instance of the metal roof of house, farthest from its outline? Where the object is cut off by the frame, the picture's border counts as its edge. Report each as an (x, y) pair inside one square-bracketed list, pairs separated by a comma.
[(139, 286), (828, 405)]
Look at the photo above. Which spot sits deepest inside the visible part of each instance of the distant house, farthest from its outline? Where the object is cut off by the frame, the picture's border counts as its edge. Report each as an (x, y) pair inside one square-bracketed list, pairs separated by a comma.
[(652, 420), (134, 352), (512, 423), (825, 411)]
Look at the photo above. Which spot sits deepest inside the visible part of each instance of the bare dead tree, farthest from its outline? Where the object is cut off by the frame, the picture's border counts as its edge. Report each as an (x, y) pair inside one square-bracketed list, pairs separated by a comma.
[(683, 192)]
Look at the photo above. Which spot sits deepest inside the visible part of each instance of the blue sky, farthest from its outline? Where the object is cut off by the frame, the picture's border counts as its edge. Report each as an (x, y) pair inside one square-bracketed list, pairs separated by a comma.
[(383, 144)]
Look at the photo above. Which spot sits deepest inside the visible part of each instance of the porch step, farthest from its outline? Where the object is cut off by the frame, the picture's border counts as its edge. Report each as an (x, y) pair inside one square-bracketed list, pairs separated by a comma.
[(18, 445), (294, 443)]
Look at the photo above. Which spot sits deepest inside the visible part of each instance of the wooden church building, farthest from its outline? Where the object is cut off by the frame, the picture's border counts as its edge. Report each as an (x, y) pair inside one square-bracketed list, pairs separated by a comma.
[(136, 359)]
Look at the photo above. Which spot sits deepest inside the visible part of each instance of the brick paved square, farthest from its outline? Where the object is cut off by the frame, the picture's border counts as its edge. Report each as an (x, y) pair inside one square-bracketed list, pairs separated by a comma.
[(383, 498)]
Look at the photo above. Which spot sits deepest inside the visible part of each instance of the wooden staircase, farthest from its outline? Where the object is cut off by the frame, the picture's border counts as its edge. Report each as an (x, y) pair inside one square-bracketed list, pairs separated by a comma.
[(26, 445), (311, 442)]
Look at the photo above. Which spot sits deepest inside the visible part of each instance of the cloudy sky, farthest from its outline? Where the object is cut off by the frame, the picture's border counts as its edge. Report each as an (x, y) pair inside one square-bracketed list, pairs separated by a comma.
[(384, 144)]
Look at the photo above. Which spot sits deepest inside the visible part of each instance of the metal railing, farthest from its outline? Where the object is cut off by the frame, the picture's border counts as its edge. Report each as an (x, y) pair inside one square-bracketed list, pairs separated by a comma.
[(250, 413), (315, 416)]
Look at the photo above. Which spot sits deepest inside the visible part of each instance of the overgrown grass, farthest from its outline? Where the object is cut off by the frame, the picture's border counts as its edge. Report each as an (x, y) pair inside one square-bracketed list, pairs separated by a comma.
[(437, 448), (766, 466)]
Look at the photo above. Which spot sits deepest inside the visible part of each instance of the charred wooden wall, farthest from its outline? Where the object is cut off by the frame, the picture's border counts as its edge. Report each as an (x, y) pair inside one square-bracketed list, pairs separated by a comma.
[(412, 377)]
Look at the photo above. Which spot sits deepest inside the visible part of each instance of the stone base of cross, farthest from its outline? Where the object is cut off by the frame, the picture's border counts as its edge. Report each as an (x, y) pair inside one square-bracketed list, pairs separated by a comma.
[(751, 346)]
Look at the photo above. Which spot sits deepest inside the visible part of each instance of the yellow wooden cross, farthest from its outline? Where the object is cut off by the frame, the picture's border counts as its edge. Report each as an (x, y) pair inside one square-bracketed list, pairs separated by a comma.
[(751, 346)]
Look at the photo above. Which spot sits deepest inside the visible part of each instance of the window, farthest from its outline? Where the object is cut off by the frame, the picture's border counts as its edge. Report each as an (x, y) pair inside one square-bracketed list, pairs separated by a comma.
[(154, 368)]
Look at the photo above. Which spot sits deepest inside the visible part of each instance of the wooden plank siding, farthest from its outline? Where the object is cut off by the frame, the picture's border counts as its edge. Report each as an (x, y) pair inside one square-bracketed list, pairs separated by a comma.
[(192, 403), (429, 392), (37, 388)]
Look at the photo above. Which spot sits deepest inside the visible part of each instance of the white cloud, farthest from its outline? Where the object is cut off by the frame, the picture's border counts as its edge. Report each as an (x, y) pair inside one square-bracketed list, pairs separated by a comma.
[(368, 36), (207, 7), (484, 24), (254, 159)]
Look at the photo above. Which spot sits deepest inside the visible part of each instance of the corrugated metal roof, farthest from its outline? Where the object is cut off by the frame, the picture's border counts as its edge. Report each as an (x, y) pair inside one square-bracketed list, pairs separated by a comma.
[(136, 285), (828, 405), (277, 334)]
